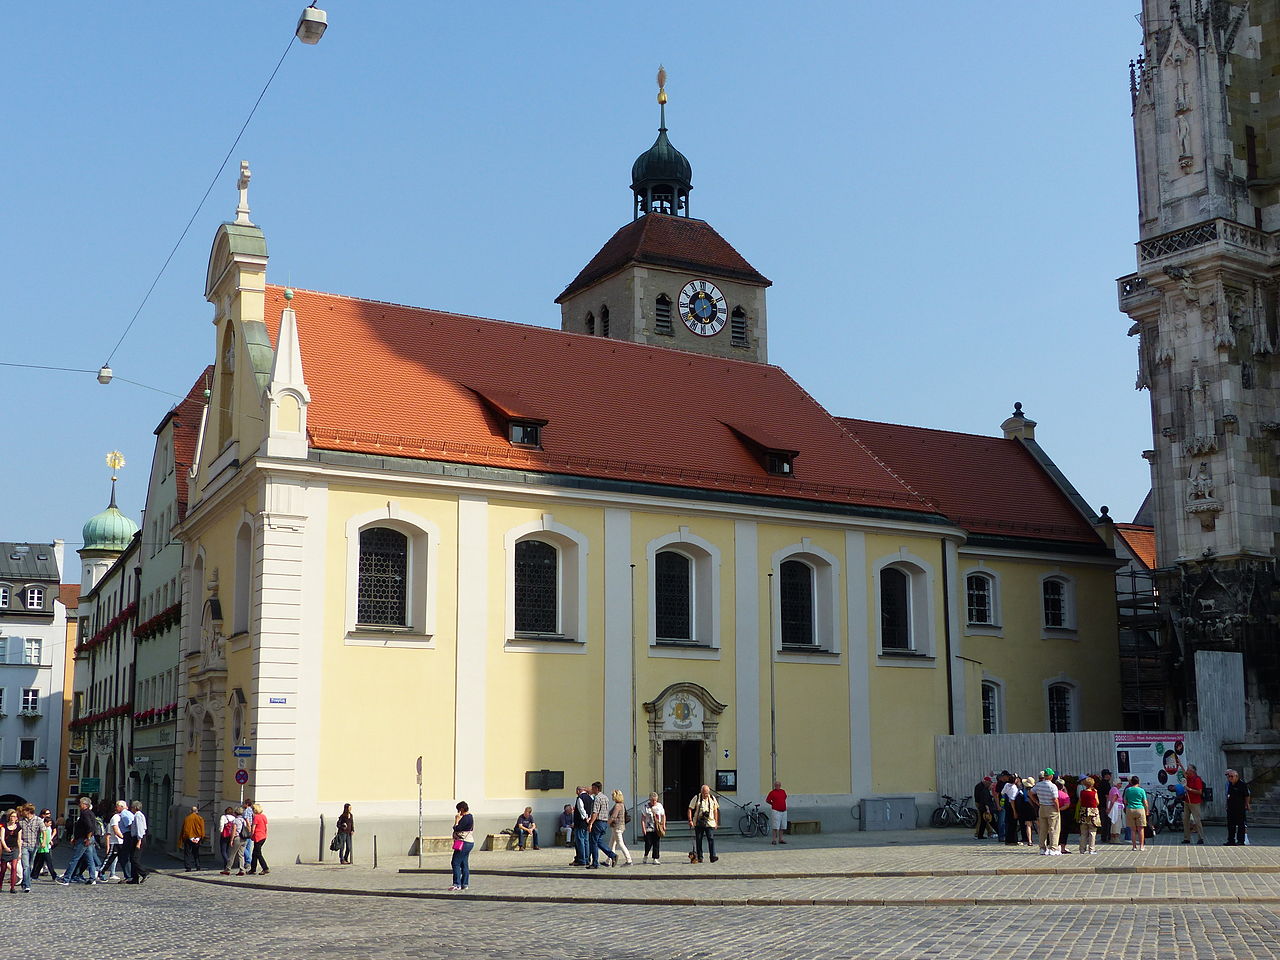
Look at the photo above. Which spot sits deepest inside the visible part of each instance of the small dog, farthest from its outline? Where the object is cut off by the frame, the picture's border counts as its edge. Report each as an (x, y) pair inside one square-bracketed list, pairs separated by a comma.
[(693, 856)]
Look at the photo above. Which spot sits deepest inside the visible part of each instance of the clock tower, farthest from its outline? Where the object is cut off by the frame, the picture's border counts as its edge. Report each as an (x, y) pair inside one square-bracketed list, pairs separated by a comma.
[(666, 279)]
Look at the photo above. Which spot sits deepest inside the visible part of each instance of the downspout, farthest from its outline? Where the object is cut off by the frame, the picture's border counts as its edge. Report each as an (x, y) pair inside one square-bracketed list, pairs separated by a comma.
[(946, 640)]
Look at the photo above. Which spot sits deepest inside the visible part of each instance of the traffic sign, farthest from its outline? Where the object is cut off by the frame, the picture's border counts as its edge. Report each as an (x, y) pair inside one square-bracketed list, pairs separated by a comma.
[(242, 777), (242, 750)]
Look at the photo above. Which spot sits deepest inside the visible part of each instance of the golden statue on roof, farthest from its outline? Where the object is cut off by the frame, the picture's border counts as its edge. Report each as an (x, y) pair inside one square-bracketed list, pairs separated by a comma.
[(662, 84), (115, 460)]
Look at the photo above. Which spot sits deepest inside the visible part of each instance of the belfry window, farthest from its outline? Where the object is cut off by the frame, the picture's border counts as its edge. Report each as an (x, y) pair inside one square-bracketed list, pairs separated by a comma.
[(662, 316), (604, 321), (537, 587), (662, 200), (738, 328), (590, 324), (383, 577)]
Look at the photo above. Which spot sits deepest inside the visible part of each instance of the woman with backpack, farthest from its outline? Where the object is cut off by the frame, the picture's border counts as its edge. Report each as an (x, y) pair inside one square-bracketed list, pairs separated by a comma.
[(259, 838), (346, 827), (224, 833), (234, 834)]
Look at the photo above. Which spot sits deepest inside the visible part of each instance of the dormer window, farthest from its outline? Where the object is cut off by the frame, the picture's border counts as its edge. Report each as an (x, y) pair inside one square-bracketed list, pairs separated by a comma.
[(779, 462), (525, 433)]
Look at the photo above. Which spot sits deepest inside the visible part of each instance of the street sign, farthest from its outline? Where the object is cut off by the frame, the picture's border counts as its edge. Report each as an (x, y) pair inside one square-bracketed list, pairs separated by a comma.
[(242, 750), (242, 777), (90, 784), (241, 762)]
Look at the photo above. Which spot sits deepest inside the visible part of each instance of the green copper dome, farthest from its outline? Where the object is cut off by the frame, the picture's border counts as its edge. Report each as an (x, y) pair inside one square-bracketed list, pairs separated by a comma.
[(661, 162), (108, 530)]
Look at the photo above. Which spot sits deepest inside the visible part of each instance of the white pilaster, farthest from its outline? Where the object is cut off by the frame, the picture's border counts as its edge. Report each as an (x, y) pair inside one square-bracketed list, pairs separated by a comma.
[(619, 654), (473, 630), (858, 644), (747, 657)]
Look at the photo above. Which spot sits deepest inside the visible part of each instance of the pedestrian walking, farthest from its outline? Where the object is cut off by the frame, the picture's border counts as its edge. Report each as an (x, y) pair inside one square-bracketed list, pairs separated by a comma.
[(44, 846), (11, 850), (1087, 815), (30, 826), (135, 840), (464, 839), (598, 824), (704, 817), (618, 827), (653, 823), (226, 823), (1238, 802), (235, 848), (346, 827), (85, 850), (583, 804), (1136, 807), (259, 840), (1048, 819), (192, 836), (777, 801), (1191, 806), (246, 811), (117, 828)]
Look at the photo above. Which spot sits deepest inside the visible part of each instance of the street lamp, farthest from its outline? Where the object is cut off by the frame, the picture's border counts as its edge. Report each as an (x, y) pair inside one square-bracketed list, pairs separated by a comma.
[(311, 25)]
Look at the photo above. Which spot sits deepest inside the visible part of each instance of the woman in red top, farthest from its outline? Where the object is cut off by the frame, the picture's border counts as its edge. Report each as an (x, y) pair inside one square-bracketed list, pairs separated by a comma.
[(259, 838), (1087, 815)]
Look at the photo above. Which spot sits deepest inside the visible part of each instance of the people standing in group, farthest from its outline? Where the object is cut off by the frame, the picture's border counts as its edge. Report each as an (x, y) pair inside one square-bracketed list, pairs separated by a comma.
[(246, 811), (1045, 796), (1009, 809), (704, 817), (11, 850), (985, 805), (117, 830), (346, 827), (83, 845), (653, 824), (597, 826), (618, 828), (1136, 807), (1115, 810), (1191, 806), (1087, 815), (234, 831), (1066, 819), (464, 839), (1103, 788), (526, 829), (583, 804), (259, 840), (1239, 801), (43, 860), (1026, 811), (777, 801), (136, 839), (192, 836)]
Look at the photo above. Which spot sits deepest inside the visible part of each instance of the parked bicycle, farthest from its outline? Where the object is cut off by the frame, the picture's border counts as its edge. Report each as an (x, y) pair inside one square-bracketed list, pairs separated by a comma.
[(1166, 811), (953, 812), (755, 822)]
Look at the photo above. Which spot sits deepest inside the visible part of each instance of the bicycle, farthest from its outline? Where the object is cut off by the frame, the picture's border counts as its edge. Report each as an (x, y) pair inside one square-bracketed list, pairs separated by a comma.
[(1166, 812), (755, 822), (953, 812)]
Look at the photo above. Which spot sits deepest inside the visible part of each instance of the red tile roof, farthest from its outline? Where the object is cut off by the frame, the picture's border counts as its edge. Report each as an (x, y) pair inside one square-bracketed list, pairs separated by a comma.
[(186, 429), (662, 240), (1141, 539), (69, 595), (986, 485), (402, 381)]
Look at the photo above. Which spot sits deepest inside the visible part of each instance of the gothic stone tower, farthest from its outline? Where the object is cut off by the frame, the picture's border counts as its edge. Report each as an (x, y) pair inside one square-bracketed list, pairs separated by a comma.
[(666, 279), (1206, 114)]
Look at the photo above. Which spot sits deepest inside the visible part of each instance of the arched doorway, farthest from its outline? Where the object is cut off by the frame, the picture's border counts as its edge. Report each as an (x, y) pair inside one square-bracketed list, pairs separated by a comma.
[(683, 723), (208, 763)]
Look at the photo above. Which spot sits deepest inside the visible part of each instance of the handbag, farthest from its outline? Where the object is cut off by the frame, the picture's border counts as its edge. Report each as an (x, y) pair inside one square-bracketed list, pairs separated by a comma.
[(333, 844), (457, 844), (661, 827)]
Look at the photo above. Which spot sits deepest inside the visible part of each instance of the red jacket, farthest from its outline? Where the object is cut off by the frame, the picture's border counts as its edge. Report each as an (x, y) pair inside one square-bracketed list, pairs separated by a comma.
[(259, 827)]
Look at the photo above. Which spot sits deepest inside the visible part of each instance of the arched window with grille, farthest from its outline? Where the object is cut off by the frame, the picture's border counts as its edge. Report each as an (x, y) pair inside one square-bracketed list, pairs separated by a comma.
[(382, 591), (1056, 595), (1061, 708), (537, 588), (992, 708), (895, 609), (673, 596), (980, 599), (796, 603)]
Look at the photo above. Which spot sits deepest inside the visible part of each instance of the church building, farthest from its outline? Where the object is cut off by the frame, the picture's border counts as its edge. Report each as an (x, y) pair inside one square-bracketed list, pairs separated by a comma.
[(405, 536)]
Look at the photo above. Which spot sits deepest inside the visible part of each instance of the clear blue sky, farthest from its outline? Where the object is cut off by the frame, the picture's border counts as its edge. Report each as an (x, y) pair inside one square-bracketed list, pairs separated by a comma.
[(942, 193)]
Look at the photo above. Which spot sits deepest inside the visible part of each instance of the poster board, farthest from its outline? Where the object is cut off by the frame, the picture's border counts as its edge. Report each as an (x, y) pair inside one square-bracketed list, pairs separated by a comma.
[(1158, 759)]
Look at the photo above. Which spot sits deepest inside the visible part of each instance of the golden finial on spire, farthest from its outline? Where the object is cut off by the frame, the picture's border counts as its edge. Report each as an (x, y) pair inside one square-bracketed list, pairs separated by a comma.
[(115, 460), (662, 83)]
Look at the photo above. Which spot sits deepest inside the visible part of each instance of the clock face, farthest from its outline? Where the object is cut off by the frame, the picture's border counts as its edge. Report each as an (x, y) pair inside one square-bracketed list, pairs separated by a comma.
[(702, 308)]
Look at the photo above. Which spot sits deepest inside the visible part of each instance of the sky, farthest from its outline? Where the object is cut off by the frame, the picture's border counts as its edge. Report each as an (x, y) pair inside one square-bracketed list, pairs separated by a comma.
[(942, 194)]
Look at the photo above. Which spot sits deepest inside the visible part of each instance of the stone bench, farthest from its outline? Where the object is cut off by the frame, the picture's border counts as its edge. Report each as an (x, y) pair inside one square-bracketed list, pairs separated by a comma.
[(432, 845), (501, 841), (804, 826)]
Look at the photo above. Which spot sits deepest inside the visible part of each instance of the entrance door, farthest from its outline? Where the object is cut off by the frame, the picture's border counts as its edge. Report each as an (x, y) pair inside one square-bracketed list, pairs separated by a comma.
[(681, 775)]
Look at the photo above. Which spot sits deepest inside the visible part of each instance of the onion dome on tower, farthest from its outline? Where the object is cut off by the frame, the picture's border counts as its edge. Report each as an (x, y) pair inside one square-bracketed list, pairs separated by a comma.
[(661, 177), (109, 530)]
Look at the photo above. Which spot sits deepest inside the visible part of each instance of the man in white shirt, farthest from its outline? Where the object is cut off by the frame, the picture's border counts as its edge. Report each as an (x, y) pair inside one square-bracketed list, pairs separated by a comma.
[(137, 833), (1045, 795), (1009, 797), (116, 828)]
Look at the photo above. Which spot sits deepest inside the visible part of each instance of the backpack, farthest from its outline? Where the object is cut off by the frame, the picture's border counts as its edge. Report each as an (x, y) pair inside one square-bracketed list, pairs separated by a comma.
[(246, 833), (99, 828), (227, 829)]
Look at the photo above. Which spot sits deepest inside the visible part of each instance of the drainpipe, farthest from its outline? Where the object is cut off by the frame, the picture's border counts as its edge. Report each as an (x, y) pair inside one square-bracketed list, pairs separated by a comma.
[(946, 640)]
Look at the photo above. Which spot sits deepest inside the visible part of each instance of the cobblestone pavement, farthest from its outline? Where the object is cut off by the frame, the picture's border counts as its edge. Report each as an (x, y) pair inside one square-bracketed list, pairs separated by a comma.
[(167, 918)]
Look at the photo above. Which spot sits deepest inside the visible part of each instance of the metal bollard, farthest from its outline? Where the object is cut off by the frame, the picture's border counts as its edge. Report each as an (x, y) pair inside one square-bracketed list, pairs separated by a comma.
[(321, 838), (375, 851)]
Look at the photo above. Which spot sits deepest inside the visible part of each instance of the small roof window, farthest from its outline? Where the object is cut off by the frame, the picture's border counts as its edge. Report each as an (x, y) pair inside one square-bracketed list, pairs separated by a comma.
[(526, 433), (774, 453)]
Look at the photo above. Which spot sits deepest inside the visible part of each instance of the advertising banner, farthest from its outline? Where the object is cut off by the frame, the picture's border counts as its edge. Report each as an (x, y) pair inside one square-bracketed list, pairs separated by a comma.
[(1156, 758)]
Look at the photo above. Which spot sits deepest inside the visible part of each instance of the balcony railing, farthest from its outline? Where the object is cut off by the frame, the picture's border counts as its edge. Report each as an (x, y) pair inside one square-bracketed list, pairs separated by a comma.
[(1226, 233)]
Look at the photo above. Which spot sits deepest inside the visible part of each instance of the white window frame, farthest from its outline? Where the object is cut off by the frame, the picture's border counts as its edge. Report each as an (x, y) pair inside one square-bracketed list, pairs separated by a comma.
[(997, 689), (920, 619), (33, 598), (827, 624), (6, 595), (4, 649), (1073, 703), (31, 698), (704, 596), (35, 748), (421, 574), (572, 551), (1068, 627), (30, 646), (73, 768), (996, 627), (1, 697)]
